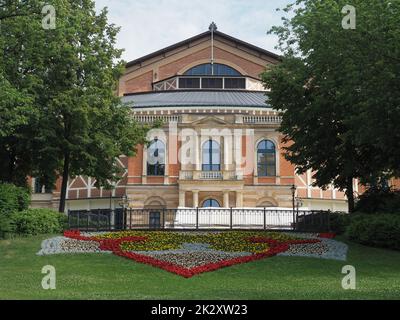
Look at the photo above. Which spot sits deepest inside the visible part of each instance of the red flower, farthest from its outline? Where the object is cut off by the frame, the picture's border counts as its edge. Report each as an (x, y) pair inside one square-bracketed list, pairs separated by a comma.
[(328, 235), (114, 245)]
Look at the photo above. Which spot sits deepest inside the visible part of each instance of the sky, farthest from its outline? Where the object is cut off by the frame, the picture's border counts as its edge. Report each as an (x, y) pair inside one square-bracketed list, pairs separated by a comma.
[(150, 25)]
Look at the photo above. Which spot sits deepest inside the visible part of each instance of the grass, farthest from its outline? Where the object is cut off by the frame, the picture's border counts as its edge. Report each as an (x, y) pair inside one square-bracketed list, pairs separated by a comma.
[(105, 276)]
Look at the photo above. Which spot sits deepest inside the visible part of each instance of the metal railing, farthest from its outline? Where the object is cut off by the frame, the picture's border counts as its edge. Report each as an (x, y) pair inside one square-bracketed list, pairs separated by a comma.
[(210, 175), (200, 218)]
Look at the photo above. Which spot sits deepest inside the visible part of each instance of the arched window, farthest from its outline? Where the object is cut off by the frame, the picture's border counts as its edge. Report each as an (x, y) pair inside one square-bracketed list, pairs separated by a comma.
[(266, 160), (156, 158), (211, 203), (207, 70), (211, 156)]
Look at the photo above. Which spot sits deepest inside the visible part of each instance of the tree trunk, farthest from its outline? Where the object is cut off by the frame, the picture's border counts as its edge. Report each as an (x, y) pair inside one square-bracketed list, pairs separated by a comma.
[(11, 168), (64, 183), (350, 195)]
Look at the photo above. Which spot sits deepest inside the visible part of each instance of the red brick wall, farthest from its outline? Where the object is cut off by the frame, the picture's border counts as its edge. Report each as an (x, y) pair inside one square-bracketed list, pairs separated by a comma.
[(173, 68), (141, 83)]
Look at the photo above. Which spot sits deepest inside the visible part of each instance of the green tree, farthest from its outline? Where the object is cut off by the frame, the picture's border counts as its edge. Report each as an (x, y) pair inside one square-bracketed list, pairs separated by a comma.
[(19, 81), (326, 89), (84, 127), (80, 126)]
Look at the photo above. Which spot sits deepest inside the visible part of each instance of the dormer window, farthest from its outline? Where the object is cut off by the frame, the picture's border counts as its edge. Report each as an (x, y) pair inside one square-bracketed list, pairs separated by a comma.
[(209, 76)]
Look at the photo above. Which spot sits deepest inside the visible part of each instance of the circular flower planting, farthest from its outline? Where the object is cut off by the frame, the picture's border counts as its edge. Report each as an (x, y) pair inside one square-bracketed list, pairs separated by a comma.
[(190, 253)]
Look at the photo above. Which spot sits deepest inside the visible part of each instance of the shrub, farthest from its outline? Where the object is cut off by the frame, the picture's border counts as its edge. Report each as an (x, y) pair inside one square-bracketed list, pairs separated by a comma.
[(338, 222), (13, 198), (379, 201), (381, 230), (5, 225), (38, 221)]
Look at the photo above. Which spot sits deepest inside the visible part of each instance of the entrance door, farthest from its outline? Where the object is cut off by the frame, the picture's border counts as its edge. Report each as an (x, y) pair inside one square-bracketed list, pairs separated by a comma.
[(154, 220)]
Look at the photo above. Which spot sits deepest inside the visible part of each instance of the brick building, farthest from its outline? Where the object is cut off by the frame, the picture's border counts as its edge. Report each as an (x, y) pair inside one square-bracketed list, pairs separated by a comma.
[(218, 146)]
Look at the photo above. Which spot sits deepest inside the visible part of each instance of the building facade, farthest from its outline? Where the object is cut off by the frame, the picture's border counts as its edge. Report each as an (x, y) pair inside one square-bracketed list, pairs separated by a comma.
[(218, 145)]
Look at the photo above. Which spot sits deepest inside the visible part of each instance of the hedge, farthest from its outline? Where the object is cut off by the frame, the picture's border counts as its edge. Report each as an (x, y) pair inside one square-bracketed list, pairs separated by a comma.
[(12, 200), (379, 201), (38, 221), (377, 230)]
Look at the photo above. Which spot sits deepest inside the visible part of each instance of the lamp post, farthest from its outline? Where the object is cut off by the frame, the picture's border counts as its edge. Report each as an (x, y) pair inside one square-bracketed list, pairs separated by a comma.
[(293, 189)]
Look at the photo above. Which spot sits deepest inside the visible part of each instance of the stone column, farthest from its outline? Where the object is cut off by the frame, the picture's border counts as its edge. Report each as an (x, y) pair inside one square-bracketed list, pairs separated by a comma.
[(239, 199), (197, 143), (226, 199), (195, 198), (182, 195)]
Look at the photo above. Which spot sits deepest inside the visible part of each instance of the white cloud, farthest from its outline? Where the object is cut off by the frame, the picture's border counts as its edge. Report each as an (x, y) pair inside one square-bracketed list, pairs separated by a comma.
[(147, 26)]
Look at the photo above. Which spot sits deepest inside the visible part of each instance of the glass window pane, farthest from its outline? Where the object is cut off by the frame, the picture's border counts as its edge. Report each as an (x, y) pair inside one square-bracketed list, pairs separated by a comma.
[(206, 70), (211, 156), (211, 203), (189, 83), (235, 83), (156, 158), (211, 83), (266, 161)]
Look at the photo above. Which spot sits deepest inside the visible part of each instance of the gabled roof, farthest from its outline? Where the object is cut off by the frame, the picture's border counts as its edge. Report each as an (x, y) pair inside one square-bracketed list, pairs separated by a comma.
[(186, 98), (200, 36)]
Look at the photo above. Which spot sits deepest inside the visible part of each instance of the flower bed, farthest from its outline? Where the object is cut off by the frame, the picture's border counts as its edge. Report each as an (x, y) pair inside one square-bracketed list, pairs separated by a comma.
[(188, 254)]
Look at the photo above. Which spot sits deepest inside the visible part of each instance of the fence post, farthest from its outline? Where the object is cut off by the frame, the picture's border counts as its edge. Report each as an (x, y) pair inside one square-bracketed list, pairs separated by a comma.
[(321, 219), (231, 218), (130, 218), (87, 220), (109, 220), (163, 218), (124, 216), (98, 219), (294, 218), (328, 215), (78, 221), (197, 218), (265, 218), (69, 219)]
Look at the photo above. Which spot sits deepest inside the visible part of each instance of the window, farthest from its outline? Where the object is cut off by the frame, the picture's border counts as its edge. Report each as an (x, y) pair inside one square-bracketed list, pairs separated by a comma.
[(211, 83), (206, 70), (266, 161), (235, 83), (156, 158), (189, 83), (38, 187), (211, 156), (211, 203)]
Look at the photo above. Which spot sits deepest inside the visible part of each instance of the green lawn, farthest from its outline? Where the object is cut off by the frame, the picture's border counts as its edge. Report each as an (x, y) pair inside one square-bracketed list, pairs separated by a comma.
[(105, 276)]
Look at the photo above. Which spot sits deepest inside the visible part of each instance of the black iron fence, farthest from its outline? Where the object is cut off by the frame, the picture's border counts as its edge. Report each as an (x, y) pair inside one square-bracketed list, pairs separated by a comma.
[(199, 218)]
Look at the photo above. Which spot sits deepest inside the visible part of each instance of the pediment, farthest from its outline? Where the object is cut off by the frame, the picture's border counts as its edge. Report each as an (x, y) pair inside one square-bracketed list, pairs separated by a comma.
[(210, 121)]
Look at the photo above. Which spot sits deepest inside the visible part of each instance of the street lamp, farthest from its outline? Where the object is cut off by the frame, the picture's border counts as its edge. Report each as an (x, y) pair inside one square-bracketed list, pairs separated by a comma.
[(299, 203), (293, 189), (123, 203)]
